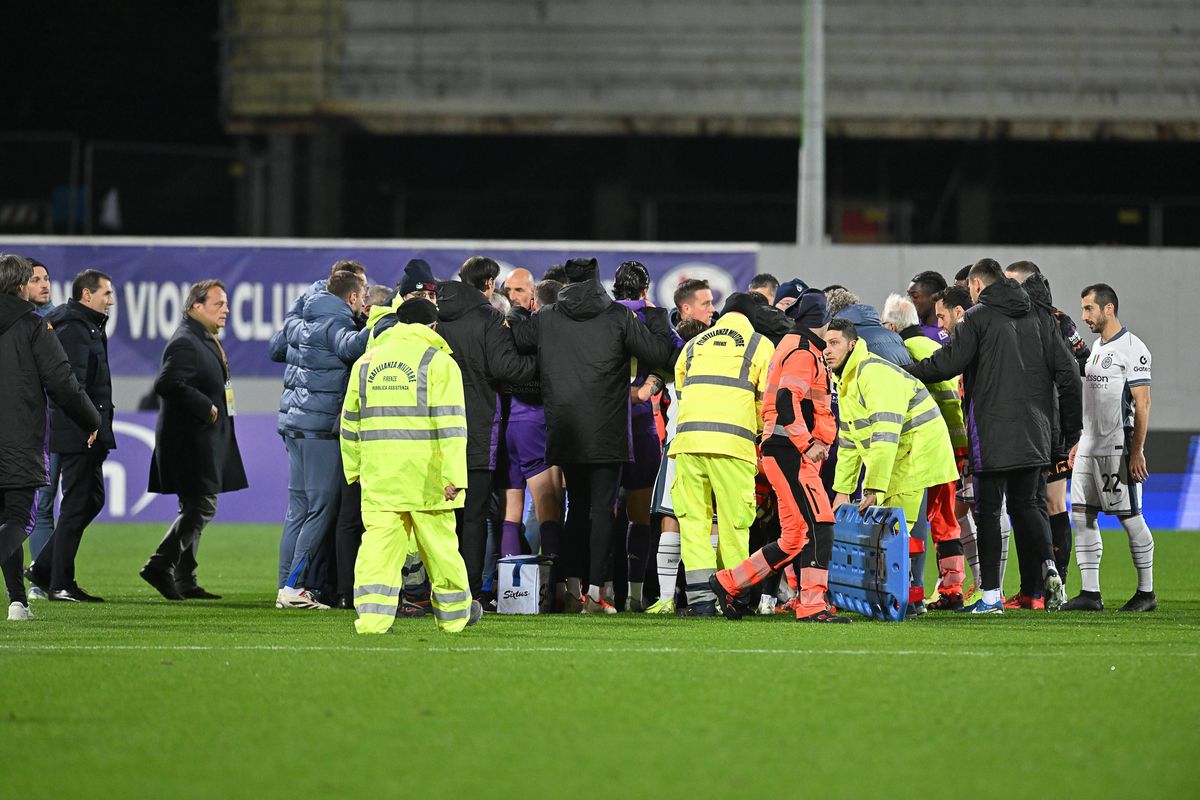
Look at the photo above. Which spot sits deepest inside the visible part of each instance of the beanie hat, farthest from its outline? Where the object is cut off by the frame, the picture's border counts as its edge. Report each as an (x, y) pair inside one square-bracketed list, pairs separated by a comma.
[(582, 269), (418, 277), (740, 303), (417, 311)]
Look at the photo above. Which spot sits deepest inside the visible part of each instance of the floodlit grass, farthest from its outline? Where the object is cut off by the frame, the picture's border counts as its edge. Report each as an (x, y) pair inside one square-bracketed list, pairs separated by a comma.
[(139, 697)]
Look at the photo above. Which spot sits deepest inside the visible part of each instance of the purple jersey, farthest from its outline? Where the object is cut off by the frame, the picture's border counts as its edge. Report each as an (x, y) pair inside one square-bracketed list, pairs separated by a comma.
[(935, 333)]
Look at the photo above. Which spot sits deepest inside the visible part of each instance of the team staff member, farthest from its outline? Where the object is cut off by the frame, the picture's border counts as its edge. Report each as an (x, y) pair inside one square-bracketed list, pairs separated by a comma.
[(405, 416), (196, 452), (34, 365), (888, 423), (1109, 461), (1010, 367), (482, 344), (37, 291), (900, 315), (80, 324), (798, 430), (583, 343), (721, 377)]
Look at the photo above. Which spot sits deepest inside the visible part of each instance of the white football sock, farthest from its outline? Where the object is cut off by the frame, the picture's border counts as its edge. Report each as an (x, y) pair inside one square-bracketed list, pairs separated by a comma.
[(966, 533), (991, 596), (668, 564), (1005, 537), (1089, 548), (635, 591), (1141, 547)]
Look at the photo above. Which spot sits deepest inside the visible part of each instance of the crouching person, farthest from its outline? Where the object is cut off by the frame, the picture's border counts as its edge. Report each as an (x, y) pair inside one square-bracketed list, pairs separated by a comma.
[(404, 439)]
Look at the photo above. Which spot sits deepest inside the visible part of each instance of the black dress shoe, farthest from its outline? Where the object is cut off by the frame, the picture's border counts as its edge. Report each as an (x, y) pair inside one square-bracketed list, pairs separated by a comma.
[(198, 593), (74, 595), (161, 580), (35, 580), (343, 601)]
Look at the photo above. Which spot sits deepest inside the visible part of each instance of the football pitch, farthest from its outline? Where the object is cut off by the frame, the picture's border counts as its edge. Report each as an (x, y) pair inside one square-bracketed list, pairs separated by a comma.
[(234, 698)]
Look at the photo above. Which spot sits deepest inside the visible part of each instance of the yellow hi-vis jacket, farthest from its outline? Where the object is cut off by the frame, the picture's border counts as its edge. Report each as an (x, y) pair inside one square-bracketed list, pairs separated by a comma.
[(720, 377), (888, 422), (404, 425), (921, 347)]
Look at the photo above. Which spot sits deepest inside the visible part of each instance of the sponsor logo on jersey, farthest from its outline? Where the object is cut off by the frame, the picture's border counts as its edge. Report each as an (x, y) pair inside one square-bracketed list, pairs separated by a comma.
[(1142, 360)]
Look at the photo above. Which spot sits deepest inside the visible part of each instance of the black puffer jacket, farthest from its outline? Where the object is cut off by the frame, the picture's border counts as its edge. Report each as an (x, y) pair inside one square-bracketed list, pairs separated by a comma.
[(483, 347), (1067, 424), (1010, 363), (33, 365), (583, 344), (81, 333)]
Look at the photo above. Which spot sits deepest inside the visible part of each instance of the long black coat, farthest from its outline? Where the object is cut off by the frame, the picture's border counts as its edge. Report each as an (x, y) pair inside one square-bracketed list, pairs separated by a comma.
[(583, 344), (33, 365), (482, 344), (1011, 363), (193, 456), (81, 331)]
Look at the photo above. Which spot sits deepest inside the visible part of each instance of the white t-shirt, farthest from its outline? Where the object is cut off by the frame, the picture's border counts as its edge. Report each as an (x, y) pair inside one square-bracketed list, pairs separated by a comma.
[(1115, 366)]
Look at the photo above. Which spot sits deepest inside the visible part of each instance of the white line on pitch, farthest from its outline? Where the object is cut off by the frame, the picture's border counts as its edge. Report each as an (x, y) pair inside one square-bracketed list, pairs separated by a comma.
[(284, 648)]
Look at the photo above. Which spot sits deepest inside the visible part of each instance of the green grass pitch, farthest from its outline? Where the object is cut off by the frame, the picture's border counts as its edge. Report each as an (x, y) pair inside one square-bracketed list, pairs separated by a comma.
[(139, 697)]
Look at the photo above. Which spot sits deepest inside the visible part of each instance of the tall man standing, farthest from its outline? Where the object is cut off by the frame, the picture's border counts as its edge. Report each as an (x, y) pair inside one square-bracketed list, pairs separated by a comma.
[(196, 452), (921, 290), (1109, 462), (721, 377), (80, 324), (33, 364), (481, 343), (1010, 368), (37, 291)]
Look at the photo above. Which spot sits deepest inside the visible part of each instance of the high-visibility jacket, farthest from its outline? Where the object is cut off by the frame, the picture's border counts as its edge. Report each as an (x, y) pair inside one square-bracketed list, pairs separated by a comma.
[(404, 426), (920, 347), (720, 378), (796, 405), (890, 424)]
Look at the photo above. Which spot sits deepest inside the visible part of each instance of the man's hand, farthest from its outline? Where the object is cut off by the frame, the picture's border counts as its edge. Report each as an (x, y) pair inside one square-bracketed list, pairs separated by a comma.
[(840, 499), (1137, 466), (869, 499), (451, 491), (212, 416), (92, 439), (644, 392), (816, 454), (1074, 450)]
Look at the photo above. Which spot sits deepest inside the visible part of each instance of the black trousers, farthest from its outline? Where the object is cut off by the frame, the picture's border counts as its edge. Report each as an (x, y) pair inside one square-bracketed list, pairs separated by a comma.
[(593, 495), (348, 535), (17, 507), (471, 522), (177, 551), (1025, 490), (83, 498)]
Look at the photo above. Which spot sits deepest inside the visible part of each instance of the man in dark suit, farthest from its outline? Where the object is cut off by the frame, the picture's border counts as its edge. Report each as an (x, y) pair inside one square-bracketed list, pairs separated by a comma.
[(196, 453), (80, 324), (33, 364)]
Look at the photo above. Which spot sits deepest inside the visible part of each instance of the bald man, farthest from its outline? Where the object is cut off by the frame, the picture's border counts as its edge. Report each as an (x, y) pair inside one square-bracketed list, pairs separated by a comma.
[(520, 287)]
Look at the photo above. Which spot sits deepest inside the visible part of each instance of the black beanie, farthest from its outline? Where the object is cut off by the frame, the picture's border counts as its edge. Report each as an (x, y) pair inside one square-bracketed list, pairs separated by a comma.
[(740, 303), (417, 311), (582, 269), (418, 276)]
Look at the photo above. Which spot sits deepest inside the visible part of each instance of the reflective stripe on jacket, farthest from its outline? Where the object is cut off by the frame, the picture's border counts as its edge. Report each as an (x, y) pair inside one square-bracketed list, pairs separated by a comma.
[(920, 347), (720, 378), (404, 426), (891, 425), (796, 404)]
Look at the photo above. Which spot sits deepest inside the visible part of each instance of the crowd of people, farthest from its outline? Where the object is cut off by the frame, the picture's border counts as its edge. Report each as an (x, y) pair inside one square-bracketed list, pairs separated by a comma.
[(664, 461)]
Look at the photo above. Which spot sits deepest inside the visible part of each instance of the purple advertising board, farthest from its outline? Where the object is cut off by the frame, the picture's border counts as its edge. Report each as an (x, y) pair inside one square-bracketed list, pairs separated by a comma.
[(263, 278), (128, 467)]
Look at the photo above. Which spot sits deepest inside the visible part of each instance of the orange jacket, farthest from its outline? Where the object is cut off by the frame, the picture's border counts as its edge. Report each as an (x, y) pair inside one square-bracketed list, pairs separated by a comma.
[(796, 403)]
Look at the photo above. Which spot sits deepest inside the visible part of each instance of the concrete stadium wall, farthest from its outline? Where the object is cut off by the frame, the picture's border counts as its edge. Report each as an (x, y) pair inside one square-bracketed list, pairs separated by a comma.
[(1159, 290)]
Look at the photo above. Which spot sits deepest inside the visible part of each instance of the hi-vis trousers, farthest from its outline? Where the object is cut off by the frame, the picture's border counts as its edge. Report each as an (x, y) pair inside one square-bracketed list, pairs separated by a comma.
[(698, 480), (378, 572)]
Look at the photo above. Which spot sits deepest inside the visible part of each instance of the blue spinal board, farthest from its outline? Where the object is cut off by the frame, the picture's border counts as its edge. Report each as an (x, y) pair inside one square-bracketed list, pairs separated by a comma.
[(868, 571)]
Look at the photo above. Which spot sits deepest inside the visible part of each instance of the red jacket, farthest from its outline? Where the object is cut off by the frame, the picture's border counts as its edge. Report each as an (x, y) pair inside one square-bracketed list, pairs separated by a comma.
[(796, 404)]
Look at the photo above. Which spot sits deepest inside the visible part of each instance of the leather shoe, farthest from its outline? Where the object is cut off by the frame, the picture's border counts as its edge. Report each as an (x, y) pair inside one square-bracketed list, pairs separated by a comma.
[(198, 593), (161, 580), (35, 580), (74, 595)]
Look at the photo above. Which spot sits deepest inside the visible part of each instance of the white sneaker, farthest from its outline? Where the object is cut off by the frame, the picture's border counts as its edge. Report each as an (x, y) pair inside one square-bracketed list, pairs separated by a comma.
[(298, 598), (37, 593), (19, 612)]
